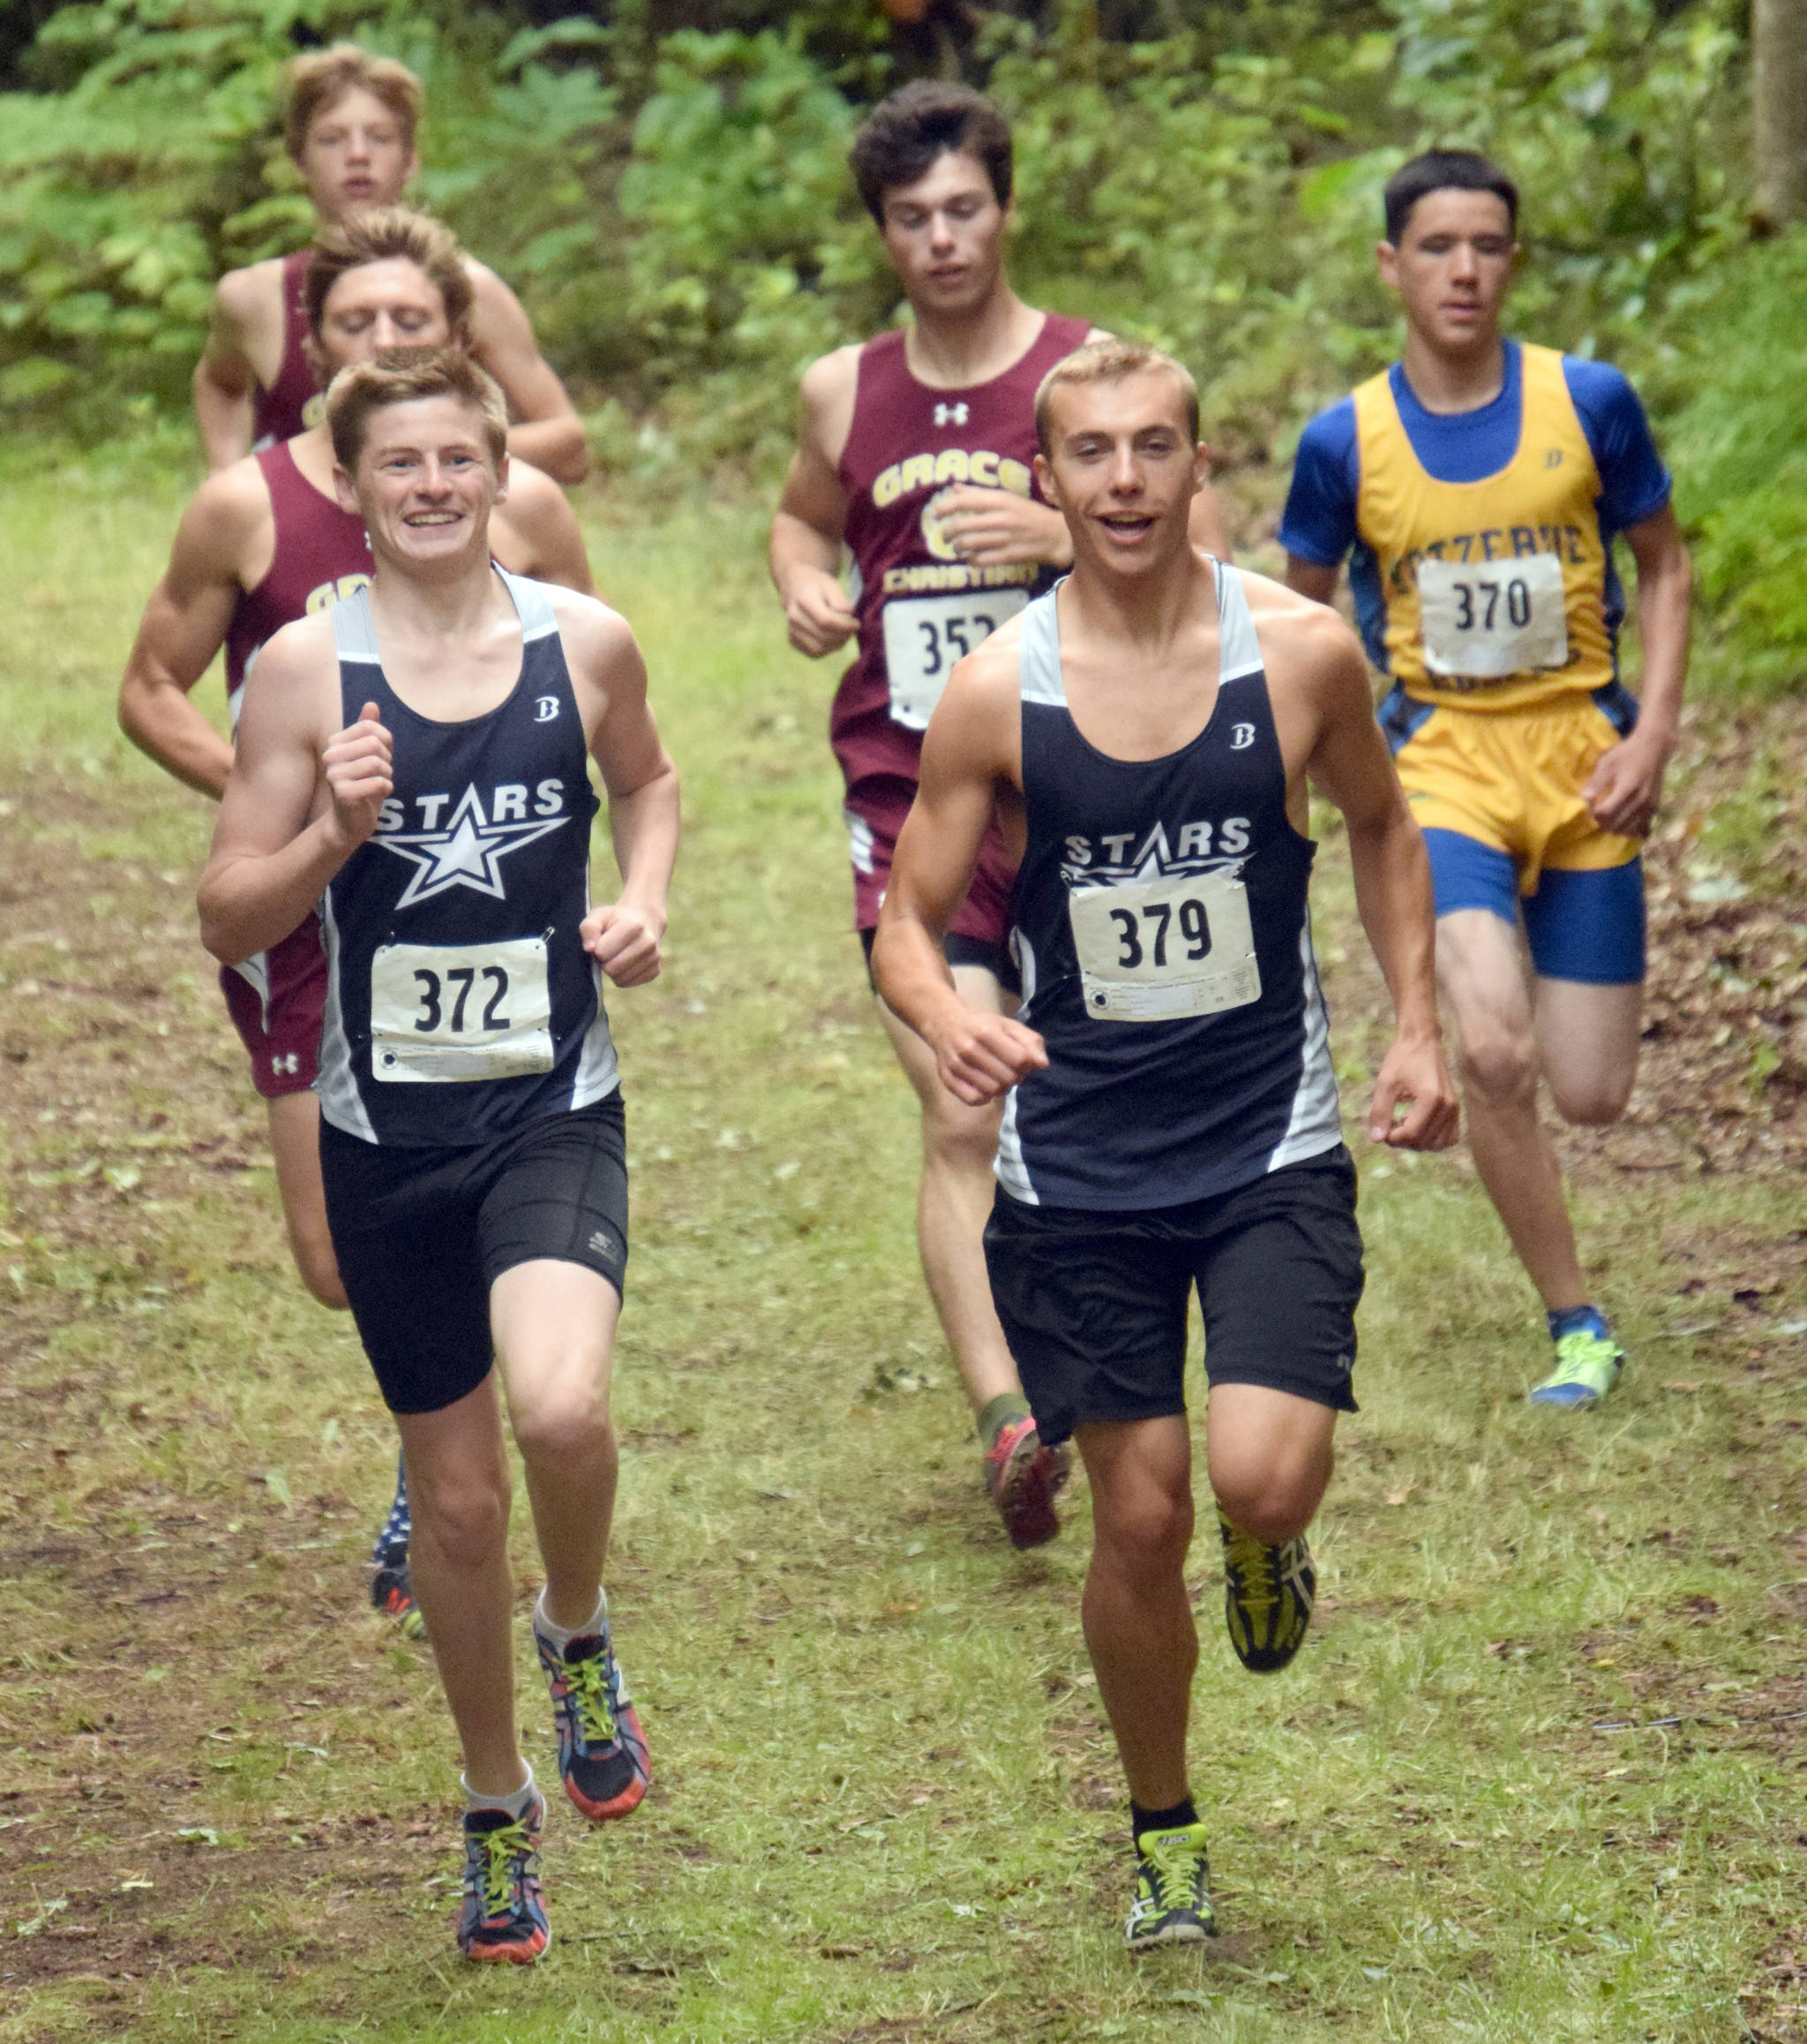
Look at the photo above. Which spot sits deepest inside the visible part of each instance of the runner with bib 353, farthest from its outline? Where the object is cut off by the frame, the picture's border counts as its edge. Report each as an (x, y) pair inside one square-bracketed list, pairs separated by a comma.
[(1479, 485)]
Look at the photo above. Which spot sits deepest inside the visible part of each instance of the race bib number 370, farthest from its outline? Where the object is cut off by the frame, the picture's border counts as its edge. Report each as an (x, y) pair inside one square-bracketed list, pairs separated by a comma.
[(449, 1013), (1492, 619), (1156, 951), (926, 636)]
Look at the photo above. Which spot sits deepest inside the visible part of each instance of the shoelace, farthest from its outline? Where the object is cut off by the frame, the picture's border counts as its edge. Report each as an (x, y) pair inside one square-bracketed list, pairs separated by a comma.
[(588, 1684), (1579, 1352), (1176, 1862), (1258, 1587), (502, 1847)]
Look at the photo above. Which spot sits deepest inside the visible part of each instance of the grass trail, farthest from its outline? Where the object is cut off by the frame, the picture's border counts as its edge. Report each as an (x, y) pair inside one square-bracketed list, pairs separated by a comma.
[(1535, 1776)]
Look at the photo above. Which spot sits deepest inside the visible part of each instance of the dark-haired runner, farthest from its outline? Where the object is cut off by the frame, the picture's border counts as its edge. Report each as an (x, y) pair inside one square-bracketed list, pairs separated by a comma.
[(1481, 483), (263, 543), (349, 121), (915, 454), (1145, 732), (418, 754)]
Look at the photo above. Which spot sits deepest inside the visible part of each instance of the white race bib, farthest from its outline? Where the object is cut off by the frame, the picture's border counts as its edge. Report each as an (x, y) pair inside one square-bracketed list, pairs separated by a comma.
[(1153, 951), (445, 1013), (926, 636), (1494, 618)]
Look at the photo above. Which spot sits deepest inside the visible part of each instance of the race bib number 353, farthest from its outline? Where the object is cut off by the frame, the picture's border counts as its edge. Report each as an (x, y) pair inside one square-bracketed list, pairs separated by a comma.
[(449, 1013), (926, 636), (1492, 619), (1156, 951)]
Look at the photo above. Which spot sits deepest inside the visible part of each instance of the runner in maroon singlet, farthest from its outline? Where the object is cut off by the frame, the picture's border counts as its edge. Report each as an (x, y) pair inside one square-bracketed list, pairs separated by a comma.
[(350, 123), (915, 454), (263, 543)]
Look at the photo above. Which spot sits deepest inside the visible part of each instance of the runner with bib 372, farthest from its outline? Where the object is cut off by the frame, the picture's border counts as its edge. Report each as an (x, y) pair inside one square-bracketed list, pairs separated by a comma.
[(1479, 485)]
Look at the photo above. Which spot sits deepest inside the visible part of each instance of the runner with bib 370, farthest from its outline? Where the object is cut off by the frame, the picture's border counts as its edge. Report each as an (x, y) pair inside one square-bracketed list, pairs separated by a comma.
[(418, 755), (1480, 484), (915, 453), (1145, 732)]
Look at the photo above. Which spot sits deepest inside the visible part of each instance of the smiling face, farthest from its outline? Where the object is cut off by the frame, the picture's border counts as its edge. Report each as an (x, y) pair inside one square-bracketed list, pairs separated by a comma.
[(1123, 469), (425, 483), (392, 304), (1452, 267), (358, 153), (944, 236)]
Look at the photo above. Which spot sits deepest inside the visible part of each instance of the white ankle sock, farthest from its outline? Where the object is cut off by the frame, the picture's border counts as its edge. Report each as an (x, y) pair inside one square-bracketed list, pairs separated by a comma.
[(515, 1805), (561, 1636)]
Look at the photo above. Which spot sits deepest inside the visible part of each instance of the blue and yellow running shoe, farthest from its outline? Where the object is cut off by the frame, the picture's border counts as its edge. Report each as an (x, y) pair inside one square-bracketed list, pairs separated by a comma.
[(603, 1758), (504, 1915), (1589, 1360), (1173, 1891), (1268, 1595)]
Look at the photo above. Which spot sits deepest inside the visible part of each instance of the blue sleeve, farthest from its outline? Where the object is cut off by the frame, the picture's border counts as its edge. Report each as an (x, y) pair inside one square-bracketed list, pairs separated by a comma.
[(1319, 522), (1634, 485)]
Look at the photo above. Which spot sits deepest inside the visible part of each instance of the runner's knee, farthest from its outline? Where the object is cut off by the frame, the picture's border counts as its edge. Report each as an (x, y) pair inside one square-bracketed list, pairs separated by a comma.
[(1592, 1102), (1500, 1063), (567, 1423), (1145, 1529), (953, 1133), (465, 1515), (1273, 1489)]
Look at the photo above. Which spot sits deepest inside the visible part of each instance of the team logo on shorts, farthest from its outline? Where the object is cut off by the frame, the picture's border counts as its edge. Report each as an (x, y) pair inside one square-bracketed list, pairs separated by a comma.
[(469, 852)]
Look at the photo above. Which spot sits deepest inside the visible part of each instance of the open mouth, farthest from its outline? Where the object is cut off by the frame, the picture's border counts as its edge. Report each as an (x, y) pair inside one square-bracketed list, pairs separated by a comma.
[(1128, 525), (430, 518)]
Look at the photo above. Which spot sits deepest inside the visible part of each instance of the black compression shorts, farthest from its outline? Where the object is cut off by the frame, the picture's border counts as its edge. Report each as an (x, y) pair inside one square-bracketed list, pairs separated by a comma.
[(422, 1235), (1093, 1303)]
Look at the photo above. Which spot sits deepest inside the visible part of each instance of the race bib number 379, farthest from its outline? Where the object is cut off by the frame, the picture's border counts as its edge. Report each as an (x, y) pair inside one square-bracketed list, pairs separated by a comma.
[(1492, 619), (1156, 951), (926, 636), (449, 1013)]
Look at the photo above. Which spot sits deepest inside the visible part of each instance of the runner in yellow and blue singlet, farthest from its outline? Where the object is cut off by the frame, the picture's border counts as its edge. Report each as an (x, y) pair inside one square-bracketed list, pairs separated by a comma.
[(1477, 487)]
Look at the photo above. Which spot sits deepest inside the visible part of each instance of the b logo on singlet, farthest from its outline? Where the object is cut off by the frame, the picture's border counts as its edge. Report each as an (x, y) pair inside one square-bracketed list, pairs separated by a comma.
[(1242, 737), (546, 709)]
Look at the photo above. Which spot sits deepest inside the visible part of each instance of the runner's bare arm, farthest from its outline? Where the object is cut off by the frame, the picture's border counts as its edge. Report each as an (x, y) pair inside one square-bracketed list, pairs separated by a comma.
[(1348, 760), (547, 430), (973, 743), (624, 936), (806, 542), (1626, 784), (184, 626), (225, 378), (1308, 579), (302, 798), (534, 531)]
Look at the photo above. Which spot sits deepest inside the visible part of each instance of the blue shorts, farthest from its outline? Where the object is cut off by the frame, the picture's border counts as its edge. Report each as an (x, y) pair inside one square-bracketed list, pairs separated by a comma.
[(1583, 925)]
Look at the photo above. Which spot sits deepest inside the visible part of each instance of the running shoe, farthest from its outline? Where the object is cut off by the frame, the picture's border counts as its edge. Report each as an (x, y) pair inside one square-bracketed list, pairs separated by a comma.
[(1268, 1595), (504, 1915), (603, 1758), (1587, 1367), (392, 1593), (1024, 1480), (1173, 1891)]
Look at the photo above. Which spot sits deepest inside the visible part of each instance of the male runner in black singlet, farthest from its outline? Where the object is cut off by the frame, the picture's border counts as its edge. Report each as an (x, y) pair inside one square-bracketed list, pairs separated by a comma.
[(417, 755), (913, 455), (349, 121), (1146, 732)]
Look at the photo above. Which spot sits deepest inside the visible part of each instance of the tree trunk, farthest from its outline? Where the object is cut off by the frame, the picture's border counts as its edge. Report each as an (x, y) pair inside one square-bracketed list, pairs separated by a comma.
[(1779, 111)]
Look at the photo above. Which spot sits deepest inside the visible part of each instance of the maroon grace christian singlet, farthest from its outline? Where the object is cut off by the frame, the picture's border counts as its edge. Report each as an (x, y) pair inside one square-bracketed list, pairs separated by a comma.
[(920, 607), (276, 999), (292, 403)]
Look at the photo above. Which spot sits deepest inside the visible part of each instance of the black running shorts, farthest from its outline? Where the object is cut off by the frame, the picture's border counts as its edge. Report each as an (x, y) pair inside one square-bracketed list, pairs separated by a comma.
[(422, 1235), (1093, 1303)]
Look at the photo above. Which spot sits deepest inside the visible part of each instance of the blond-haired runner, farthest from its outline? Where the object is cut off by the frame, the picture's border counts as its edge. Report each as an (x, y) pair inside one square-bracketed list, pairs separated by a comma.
[(349, 123), (418, 755), (914, 454), (1145, 732)]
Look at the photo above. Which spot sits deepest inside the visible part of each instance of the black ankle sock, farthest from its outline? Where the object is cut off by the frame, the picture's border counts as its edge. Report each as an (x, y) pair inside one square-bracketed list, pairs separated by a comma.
[(1141, 1820)]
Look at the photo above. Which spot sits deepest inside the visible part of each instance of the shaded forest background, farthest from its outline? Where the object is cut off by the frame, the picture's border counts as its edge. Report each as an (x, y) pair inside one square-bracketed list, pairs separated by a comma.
[(664, 184)]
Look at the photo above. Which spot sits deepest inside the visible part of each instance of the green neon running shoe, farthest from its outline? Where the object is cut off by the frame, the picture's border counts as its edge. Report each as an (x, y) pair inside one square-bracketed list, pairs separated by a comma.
[(1173, 1891), (1268, 1595), (1587, 1367)]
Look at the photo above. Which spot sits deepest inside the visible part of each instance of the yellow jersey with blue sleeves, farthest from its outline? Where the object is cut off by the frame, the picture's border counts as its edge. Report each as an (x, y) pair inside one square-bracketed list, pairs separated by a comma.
[(1495, 591)]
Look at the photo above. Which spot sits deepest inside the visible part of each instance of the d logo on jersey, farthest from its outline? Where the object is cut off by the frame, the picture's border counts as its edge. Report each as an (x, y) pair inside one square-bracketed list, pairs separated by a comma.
[(468, 851)]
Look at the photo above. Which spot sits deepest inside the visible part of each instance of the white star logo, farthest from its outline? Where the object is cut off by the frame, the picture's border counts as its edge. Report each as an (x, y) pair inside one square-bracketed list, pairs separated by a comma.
[(468, 852)]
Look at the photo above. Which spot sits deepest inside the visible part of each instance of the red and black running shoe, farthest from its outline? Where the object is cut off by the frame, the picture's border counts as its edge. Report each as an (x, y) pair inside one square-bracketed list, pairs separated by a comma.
[(1025, 1479), (603, 1758), (392, 1593), (504, 1916)]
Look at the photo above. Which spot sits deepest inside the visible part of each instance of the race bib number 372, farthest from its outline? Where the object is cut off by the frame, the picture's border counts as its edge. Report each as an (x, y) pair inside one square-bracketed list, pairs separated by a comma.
[(1160, 950), (443, 1014), (1492, 619), (926, 636)]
